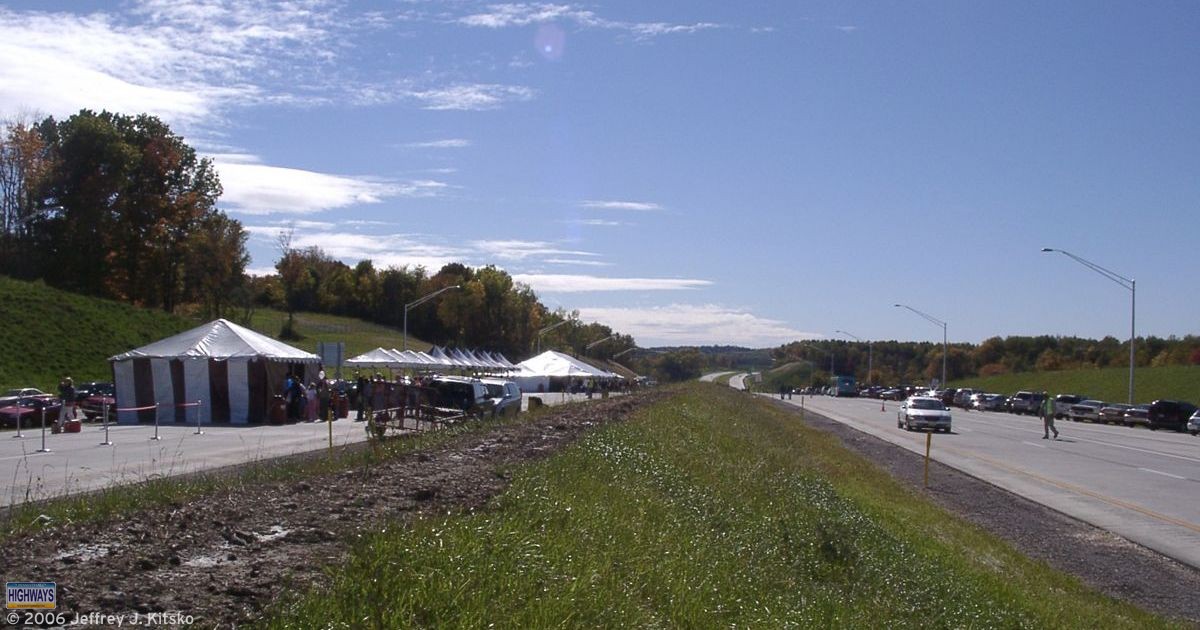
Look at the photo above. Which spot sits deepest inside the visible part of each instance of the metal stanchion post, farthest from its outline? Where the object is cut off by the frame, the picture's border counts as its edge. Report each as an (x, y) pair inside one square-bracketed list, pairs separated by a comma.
[(928, 442), (155, 436), (18, 435), (329, 421), (43, 449), (106, 442), (198, 431)]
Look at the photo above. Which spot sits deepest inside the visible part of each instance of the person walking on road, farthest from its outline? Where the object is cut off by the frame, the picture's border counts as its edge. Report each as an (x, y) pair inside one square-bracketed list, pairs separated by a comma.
[(1048, 417)]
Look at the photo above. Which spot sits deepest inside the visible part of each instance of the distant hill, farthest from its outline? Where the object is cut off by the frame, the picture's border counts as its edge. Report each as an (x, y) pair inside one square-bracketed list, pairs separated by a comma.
[(1108, 384), (46, 333)]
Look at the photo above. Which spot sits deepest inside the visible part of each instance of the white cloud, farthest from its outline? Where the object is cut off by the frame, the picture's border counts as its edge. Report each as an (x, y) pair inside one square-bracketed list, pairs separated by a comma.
[(448, 143), (639, 206), (183, 61), (526, 13), (521, 250), (469, 96), (576, 261), (252, 188), (688, 324), (846, 29), (595, 222), (567, 283)]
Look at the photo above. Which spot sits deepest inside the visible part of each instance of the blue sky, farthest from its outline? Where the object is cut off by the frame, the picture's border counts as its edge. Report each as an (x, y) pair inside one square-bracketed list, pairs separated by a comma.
[(687, 172)]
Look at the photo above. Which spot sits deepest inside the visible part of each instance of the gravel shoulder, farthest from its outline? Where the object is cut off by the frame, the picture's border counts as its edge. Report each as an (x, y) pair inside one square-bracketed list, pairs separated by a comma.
[(1104, 561)]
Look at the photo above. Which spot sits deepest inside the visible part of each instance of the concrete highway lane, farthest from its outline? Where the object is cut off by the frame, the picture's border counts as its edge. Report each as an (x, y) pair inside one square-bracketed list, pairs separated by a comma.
[(1142, 485)]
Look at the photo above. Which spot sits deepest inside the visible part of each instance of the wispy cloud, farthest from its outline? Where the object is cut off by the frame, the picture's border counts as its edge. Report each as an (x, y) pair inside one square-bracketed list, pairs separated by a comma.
[(688, 324), (595, 222), (253, 188), (448, 143), (639, 206), (526, 13), (577, 262), (567, 283), (470, 96), (522, 250), (847, 29)]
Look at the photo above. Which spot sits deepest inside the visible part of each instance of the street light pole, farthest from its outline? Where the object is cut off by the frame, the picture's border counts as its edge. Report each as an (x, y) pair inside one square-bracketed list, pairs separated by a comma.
[(419, 302), (869, 342), (548, 329), (1128, 283), (596, 343), (945, 345)]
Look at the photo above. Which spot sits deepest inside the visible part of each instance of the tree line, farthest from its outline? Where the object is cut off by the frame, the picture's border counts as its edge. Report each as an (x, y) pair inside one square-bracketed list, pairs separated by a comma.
[(116, 206), (120, 207), (897, 362)]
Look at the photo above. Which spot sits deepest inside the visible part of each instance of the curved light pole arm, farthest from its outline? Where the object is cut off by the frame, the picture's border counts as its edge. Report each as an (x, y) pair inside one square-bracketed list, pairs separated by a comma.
[(548, 329), (1128, 283), (420, 301), (945, 345), (869, 343)]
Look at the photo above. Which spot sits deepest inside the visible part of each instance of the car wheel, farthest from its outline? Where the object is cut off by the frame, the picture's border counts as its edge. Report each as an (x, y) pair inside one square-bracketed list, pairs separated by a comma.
[(1193, 432)]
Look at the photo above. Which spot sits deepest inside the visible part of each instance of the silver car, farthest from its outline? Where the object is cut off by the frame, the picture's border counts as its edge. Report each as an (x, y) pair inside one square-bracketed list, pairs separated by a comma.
[(921, 412), (1193, 425)]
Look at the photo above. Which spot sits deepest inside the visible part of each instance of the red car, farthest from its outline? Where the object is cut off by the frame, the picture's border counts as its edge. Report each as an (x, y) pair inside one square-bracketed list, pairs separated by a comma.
[(28, 411), (102, 395)]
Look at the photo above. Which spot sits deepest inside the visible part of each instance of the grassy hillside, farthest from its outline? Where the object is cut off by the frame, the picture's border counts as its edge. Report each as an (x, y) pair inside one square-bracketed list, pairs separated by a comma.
[(359, 336), (710, 509), (795, 374), (46, 333), (1111, 384)]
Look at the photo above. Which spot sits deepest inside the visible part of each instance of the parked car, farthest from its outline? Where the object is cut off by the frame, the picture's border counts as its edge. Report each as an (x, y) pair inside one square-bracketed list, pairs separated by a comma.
[(85, 390), (102, 395), (13, 395), (923, 412), (962, 397), (1063, 402), (1193, 426), (459, 392), (1114, 413), (1025, 402), (1086, 410), (28, 411), (505, 395), (991, 402), (1170, 414), (1139, 414)]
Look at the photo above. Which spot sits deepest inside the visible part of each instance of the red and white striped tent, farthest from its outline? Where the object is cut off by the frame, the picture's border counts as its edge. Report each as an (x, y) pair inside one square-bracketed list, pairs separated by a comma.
[(232, 371)]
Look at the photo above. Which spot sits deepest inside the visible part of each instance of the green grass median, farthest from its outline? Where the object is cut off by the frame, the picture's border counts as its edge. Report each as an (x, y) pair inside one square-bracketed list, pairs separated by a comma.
[(709, 509)]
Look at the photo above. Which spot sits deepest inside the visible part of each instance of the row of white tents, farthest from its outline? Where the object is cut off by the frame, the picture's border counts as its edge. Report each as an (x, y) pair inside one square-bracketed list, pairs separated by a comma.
[(235, 373), (436, 359)]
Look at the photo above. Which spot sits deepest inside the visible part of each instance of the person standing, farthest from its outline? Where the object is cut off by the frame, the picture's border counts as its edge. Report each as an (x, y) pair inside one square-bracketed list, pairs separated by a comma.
[(1048, 417), (360, 387), (322, 396), (66, 393)]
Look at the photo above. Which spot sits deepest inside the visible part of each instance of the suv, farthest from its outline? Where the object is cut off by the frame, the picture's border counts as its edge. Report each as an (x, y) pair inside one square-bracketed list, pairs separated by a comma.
[(1025, 402), (1063, 402), (1170, 414), (505, 395), (458, 392), (962, 398)]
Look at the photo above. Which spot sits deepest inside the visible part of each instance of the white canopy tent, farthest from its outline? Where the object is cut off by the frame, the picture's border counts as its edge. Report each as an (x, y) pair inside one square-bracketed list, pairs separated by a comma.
[(233, 371), (558, 365), (379, 357)]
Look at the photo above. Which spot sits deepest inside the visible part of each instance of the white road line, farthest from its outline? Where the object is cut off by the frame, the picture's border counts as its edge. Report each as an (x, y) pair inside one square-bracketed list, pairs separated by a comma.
[(1035, 444), (1159, 472)]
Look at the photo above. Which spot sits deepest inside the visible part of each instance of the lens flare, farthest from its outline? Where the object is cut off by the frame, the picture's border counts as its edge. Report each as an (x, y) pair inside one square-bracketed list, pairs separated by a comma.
[(550, 41)]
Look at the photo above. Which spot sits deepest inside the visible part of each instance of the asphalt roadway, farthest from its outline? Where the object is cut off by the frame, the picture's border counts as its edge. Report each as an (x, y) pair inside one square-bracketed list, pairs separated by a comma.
[(1139, 484), (78, 462)]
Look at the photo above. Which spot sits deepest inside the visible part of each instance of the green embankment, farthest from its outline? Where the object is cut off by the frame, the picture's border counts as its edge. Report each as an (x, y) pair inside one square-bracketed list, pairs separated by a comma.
[(709, 509), (46, 333), (1111, 384), (789, 375)]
